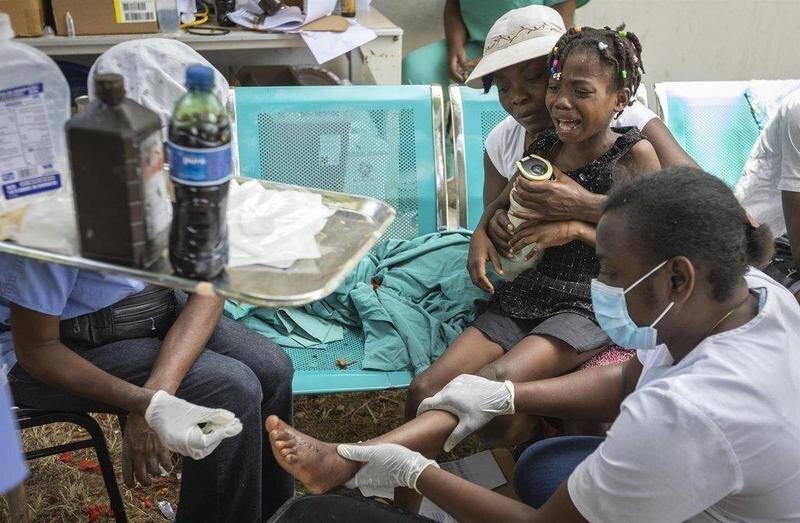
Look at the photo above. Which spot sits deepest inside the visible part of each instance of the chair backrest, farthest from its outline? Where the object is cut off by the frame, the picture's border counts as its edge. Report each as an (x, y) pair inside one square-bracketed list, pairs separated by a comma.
[(712, 121), (385, 142), (474, 114)]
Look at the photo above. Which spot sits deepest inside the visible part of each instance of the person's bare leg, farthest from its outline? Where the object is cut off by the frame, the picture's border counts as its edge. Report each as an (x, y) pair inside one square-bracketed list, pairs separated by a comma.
[(468, 354), (534, 358), (319, 467)]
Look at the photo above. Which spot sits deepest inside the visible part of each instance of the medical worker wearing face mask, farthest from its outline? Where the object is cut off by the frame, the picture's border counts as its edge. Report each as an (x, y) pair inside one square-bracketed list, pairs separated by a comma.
[(709, 429)]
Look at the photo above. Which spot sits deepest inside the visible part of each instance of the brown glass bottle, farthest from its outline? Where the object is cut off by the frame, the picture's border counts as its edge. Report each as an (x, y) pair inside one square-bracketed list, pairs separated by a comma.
[(348, 8), (117, 159)]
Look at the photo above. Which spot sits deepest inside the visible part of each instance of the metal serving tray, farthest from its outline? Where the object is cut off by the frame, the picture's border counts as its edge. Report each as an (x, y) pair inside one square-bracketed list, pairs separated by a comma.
[(348, 235)]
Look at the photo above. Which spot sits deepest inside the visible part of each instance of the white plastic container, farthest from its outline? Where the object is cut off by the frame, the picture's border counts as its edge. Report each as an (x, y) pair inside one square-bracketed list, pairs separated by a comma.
[(168, 16), (34, 106), (534, 169)]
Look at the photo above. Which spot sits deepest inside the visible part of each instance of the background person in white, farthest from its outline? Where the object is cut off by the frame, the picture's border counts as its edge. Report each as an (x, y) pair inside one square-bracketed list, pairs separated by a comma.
[(707, 424), (770, 189)]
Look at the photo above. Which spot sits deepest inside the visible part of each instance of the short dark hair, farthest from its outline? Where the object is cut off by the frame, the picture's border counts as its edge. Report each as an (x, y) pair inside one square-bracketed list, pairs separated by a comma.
[(683, 211), (617, 48)]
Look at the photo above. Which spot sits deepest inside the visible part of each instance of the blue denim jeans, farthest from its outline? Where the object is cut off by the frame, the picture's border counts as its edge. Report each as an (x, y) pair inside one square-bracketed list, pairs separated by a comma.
[(546, 464), (241, 371)]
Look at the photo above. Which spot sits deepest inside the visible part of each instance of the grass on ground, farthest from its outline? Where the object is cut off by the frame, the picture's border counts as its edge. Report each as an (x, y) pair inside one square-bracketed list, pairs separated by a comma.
[(69, 488)]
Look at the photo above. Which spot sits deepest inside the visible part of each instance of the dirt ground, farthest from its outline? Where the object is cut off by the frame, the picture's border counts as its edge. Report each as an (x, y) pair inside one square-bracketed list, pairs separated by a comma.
[(69, 488)]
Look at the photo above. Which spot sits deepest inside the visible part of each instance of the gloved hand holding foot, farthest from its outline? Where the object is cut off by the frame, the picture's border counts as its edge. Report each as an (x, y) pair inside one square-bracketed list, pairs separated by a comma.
[(387, 465), (474, 401), (177, 424)]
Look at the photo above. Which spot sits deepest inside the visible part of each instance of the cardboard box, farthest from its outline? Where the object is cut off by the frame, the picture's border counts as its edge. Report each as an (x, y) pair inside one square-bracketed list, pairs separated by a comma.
[(104, 17), (27, 16)]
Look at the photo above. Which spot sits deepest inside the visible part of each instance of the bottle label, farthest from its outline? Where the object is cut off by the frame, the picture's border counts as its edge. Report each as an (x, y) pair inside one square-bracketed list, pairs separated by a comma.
[(201, 167), (157, 205), (28, 163)]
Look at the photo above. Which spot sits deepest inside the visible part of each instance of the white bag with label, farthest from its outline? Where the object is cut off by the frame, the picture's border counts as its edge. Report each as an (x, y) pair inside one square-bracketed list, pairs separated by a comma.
[(34, 106)]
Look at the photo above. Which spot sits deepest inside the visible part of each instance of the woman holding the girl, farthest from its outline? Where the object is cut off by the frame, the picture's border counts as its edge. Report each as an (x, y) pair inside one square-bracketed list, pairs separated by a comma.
[(541, 324)]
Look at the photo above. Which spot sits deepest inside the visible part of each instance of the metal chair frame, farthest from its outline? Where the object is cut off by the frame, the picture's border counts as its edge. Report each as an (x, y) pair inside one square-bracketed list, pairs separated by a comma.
[(469, 176), (29, 418)]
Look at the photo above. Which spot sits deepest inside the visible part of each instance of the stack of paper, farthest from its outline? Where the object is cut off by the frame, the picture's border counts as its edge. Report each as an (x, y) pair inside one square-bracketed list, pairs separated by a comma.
[(324, 45)]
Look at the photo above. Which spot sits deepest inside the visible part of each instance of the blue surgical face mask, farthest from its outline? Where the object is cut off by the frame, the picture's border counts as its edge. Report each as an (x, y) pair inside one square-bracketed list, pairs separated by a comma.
[(611, 311)]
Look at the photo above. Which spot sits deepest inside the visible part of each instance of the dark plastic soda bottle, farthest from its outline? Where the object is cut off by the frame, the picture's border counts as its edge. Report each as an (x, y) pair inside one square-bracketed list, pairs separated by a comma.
[(120, 191), (200, 165)]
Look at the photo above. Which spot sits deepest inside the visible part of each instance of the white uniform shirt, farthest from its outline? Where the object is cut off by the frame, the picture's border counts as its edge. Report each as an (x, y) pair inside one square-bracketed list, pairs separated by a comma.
[(773, 166), (715, 437), (505, 144)]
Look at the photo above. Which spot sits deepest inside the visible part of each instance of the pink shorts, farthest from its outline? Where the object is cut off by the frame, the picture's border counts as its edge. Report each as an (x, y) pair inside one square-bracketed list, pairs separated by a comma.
[(611, 355)]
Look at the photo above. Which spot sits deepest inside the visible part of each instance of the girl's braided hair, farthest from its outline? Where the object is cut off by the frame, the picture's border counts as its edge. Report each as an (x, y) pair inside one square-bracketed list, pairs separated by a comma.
[(619, 49)]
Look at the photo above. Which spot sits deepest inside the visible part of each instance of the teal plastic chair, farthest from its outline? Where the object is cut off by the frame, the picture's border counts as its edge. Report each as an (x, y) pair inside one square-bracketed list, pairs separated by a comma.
[(474, 113), (712, 121), (385, 142)]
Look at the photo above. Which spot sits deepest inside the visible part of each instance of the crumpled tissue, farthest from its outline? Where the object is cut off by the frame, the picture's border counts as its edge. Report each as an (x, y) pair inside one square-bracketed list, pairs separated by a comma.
[(265, 227), (273, 228)]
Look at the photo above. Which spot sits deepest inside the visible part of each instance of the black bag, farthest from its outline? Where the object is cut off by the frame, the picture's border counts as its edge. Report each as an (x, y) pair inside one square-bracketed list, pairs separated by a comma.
[(146, 314), (781, 268)]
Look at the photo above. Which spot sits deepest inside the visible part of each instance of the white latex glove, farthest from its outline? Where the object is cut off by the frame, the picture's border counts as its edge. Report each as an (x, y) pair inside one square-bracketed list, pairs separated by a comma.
[(474, 401), (177, 424), (387, 465)]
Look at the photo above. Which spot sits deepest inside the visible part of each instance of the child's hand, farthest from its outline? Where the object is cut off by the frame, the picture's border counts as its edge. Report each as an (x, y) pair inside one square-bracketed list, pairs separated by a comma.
[(560, 199), (500, 230), (482, 250), (542, 235)]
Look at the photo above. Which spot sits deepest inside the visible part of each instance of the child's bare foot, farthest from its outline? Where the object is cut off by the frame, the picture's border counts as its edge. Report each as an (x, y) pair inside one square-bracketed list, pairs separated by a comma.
[(315, 463)]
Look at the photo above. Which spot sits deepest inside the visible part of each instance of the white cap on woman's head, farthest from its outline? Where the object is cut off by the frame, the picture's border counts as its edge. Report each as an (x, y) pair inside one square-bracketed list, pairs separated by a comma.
[(154, 70), (517, 36)]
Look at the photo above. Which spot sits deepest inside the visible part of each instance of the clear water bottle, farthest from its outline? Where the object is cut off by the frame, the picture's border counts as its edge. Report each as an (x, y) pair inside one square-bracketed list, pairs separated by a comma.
[(34, 106), (200, 165)]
